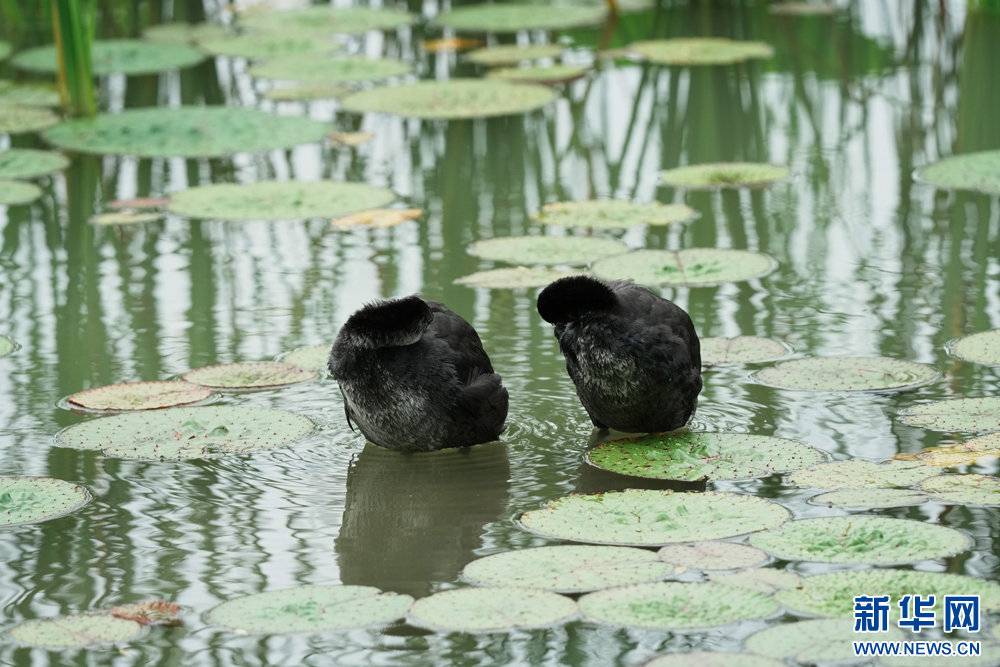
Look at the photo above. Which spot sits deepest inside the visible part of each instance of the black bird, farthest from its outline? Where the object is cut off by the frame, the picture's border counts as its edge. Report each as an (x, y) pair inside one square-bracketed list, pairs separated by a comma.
[(415, 377), (634, 356)]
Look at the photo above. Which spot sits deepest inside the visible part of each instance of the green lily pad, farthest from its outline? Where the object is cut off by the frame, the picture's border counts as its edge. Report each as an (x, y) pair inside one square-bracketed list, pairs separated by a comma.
[(981, 348), (718, 351), (672, 605), (75, 631), (511, 17), (21, 118), (277, 200), (494, 609), (964, 489), (512, 54), (544, 75), (32, 499), (568, 569), (7, 346), (30, 95), (700, 51), (712, 555), (313, 67), (349, 20), (15, 193), (112, 56), (960, 414), (313, 358), (725, 175), (764, 580), (870, 498), (613, 214), (451, 100), (124, 218), (861, 539), (692, 266), (519, 277), (819, 640), (186, 433), (30, 163), (638, 517), (184, 132), (310, 609), (975, 450), (140, 396), (847, 374), (989, 657), (712, 659), (307, 93), (546, 249), (248, 375), (269, 45), (858, 474), (979, 172), (184, 33)]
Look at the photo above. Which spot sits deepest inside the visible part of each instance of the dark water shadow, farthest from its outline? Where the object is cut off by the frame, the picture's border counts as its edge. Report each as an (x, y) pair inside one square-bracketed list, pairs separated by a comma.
[(591, 479)]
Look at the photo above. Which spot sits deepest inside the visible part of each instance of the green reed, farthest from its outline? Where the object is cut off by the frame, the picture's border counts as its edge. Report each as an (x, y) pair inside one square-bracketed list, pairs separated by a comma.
[(73, 25)]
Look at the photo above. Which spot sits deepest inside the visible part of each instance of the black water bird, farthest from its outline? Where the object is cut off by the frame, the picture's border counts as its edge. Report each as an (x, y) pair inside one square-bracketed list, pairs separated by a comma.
[(415, 377), (634, 356)]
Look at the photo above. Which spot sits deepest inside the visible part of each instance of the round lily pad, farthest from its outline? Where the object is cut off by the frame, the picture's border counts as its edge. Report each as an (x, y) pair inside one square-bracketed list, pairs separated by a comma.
[(982, 347), (155, 612), (568, 569), (519, 277), (377, 218), (310, 609), (718, 351), (712, 555), (7, 346), (672, 605), (858, 474), (313, 67), (964, 489), (269, 44), (78, 630), (14, 193), (313, 358), (544, 75), (184, 33), (725, 175), (348, 20), (140, 396), (870, 498), (31, 94), (124, 218), (512, 17), (494, 609), (712, 659), (30, 163), (111, 56), (961, 414), (546, 249), (847, 374), (638, 517), (981, 448), (186, 433), (512, 54), (692, 266), (248, 375), (277, 200), (184, 132), (765, 580), (974, 171), (860, 539), (31, 499), (450, 100), (819, 640), (21, 118), (700, 51), (613, 214), (319, 91)]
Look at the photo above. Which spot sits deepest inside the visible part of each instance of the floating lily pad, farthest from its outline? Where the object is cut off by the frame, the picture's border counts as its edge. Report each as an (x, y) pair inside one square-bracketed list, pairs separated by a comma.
[(248, 375), (861, 539), (313, 67), (693, 266), (313, 358), (155, 612), (974, 171), (15, 193), (803, 8), (546, 249), (21, 118), (348, 20), (78, 630), (847, 374), (671, 605), (982, 448), (269, 45), (638, 517), (870, 498), (277, 200), (31, 95), (310, 609), (454, 99), (184, 132), (352, 139), (140, 396), (718, 351), (764, 580), (184, 33), (700, 51), (725, 175), (124, 218), (511, 17), (377, 217), (989, 657), (961, 414), (31, 499), (544, 75), (964, 489), (7, 346), (712, 555), (186, 433), (568, 569), (858, 474), (446, 44), (712, 659), (982, 347), (519, 277), (319, 91), (512, 54), (820, 640), (111, 56), (495, 609), (139, 203), (30, 163), (613, 214)]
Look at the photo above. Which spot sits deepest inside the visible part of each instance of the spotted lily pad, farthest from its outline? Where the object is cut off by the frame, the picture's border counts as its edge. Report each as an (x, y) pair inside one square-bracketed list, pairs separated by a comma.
[(961, 414), (982, 347), (348, 20), (568, 569), (964, 489), (32, 499), (700, 51), (186, 433), (725, 175), (313, 358), (861, 539), (741, 350), (712, 555), (269, 44), (870, 498), (248, 375), (712, 659), (613, 214), (847, 374), (697, 456), (21, 118), (858, 474), (31, 94), (15, 193), (493, 609), (519, 277), (77, 630), (124, 218), (184, 132), (512, 17), (30, 163), (546, 249), (819, 640), (512, 54), (377, 217), (974, 171), (454, 99), (692, 266), (7, 346), (672, 605), (319, 91), (763, 580), (545, 75), (310, 609), (313, 67), (637, 517), (155, 612), (140, 396), (110, 56), (184, 33), (973, 451), (278, 200)]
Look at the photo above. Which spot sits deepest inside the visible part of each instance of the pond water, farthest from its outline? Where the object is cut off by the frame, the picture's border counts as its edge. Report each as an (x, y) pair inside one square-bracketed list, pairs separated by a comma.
[(869, 263)]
